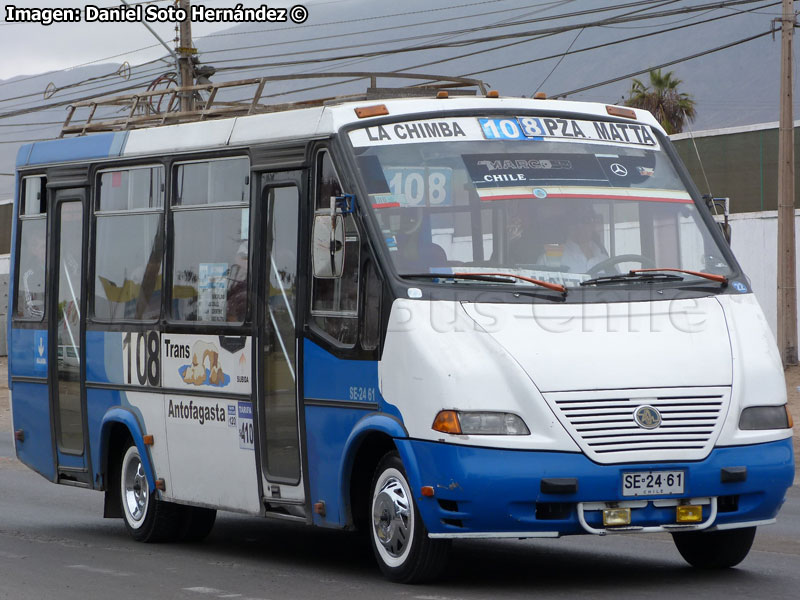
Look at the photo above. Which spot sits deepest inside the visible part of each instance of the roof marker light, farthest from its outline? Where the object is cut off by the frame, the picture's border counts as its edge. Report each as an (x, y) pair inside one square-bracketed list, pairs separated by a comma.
[(442, 94), (362, 112), (540, 96), (620, 111), (493, 94)]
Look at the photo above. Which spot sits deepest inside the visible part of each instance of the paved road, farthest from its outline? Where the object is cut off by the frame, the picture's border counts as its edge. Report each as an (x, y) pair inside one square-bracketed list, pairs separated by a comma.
[(55, 544)]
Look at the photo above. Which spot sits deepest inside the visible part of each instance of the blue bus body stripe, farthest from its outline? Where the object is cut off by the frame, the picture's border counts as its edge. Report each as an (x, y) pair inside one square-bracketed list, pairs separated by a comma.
[(101, 145), (12, 277), (23, 156), (494, 490), (32, 415), (124, 416)]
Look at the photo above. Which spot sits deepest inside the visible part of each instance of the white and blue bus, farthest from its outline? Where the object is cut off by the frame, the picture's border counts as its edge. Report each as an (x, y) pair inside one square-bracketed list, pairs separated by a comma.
[(428, 318)]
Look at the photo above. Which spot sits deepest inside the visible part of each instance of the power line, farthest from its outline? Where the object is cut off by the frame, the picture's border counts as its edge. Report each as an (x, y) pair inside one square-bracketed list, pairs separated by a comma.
[(515, 23), (560, 60), (473, 41), (666, 64), (413, 12), (140, 78), (606, 44), (705, 7), (204, 53), (440, 34)]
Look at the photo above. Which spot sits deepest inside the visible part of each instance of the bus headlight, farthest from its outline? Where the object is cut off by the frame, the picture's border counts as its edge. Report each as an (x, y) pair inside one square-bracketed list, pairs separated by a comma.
[(479, 423), (765, 417)]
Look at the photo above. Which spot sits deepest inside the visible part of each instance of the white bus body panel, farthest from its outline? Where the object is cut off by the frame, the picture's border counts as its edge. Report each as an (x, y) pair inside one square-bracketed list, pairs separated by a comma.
[(525, 359), (296, 125), (158, 141), (568, 347), (758, 378), (436, 357)]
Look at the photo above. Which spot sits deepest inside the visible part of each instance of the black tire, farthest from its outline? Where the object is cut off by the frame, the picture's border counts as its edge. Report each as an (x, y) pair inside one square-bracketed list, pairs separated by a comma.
[(399, 538), (146, 517), (715, 549), (197, 523)]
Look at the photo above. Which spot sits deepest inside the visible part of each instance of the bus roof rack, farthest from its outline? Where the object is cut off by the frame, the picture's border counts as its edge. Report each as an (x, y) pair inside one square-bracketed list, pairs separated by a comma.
[(158, 107)]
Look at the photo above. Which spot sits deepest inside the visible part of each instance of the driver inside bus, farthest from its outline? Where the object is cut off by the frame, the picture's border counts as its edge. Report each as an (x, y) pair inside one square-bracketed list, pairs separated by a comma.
[(583, 248)]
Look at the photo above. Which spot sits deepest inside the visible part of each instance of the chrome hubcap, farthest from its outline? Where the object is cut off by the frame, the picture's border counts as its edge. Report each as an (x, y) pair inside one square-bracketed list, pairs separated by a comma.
[(391, 517), (135, 489)]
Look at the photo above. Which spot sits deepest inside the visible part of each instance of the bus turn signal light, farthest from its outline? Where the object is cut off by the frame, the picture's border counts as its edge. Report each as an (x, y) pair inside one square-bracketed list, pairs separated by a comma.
[(427, 491), (362, 112), (789, 416), (447, 422)]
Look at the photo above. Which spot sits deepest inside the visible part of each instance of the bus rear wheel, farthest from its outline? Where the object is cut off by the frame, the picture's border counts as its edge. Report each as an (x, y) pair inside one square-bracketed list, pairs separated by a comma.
[(398, 536), (147, 518), (715, 549)]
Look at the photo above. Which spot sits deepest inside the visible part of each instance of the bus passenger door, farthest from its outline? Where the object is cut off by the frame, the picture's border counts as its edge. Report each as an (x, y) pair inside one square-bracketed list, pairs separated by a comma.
[(65, 339), (279, 428)]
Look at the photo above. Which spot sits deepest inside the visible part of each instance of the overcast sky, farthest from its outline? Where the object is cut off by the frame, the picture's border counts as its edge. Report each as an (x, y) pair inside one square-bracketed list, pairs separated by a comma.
[(28, 49)]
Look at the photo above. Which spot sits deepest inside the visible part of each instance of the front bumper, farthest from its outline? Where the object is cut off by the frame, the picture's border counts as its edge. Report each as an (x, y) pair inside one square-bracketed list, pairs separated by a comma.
[(485, 492)]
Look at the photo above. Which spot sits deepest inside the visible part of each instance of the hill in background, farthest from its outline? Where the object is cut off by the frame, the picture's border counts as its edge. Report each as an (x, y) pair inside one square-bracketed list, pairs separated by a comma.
[(736, 86)]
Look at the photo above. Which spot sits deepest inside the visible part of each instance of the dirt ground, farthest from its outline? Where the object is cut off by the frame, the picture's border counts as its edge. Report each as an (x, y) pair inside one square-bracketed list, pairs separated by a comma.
[(792, 384)]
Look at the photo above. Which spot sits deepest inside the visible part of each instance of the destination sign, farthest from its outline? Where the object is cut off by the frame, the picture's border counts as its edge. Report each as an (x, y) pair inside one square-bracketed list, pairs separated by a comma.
[(525, 129), (569, 130)]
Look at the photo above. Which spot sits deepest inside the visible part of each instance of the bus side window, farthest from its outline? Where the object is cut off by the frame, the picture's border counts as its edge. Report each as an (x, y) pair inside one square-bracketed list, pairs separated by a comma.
[(373, 293), (211, 225), (130, 241), (30, 284), (334, 302)]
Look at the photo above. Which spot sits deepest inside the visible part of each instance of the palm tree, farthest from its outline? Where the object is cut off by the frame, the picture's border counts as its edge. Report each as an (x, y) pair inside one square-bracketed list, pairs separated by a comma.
[(673, 109)]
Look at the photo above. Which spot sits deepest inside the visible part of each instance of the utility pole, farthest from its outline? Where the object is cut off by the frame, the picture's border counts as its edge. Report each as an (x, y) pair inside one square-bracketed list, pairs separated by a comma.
[(185, 53), (787, 288)]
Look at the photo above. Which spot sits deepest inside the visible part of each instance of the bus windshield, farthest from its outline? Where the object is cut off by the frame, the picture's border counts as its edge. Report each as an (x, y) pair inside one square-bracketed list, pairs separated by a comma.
[(558, 200)]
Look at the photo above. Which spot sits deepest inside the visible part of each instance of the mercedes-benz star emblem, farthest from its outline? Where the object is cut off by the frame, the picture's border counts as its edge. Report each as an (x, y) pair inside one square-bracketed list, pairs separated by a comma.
[(619, 170), (647, 417)]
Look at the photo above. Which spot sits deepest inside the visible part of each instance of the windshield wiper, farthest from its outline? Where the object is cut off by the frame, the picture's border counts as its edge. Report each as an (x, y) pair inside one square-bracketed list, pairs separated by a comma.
[(655, 274), (622, 277), (710, 276), (491, 278)]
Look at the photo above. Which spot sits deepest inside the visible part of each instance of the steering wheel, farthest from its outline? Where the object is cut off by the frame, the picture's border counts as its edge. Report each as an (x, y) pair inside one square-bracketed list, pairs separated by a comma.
[(411, 220), (604, 265)]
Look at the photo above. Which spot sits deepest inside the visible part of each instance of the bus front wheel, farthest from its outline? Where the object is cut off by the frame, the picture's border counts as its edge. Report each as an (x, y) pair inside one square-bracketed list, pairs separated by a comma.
[(715, 549), (147, 518), (398, 536)]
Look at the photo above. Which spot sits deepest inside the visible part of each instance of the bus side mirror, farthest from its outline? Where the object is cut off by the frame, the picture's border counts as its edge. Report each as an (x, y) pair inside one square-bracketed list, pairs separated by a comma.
[(328, 250), (726, 230)]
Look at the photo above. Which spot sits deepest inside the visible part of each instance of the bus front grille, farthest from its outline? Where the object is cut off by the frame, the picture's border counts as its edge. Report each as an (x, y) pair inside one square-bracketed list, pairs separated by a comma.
[(680, 424)]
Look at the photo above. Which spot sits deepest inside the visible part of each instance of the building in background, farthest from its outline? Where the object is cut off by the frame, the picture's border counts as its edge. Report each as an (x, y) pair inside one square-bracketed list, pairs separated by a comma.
[(740, 163)]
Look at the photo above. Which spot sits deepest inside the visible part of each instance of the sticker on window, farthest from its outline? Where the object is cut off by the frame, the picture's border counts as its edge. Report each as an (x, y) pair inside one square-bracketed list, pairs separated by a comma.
[(418, 186)]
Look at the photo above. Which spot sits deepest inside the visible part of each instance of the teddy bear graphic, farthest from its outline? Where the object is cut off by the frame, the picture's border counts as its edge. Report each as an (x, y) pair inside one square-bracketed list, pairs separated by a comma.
[(205, 364)]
